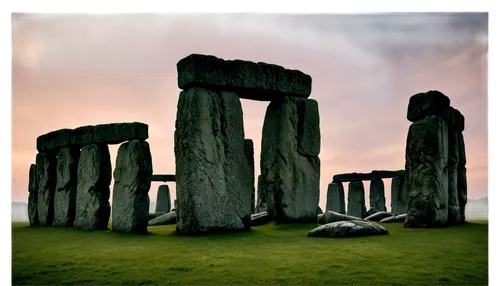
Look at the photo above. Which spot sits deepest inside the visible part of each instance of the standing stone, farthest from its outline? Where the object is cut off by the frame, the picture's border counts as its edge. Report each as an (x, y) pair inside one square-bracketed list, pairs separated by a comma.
[(377, 196), (212, 172), (335, 198), (426, 173), (163, 199), (46, 178), (92, 191), (461, 176), (290, 174), (65, 195), (32, 197), (453, 202), (261, 196), (399, 196), (422, 105), (249, 154), (132, 177), (356, 205)]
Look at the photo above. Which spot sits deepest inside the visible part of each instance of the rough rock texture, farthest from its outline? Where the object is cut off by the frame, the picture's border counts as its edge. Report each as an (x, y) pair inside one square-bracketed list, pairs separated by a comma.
[(92, 191), (453, 203), (398, 218), (168, 218), (309, 139), (330, 216), (426, 173), (353, 228), (259, 81), (163, 178), (453, 117), (212, 172), (260, 218), (116, 133), (377, 195), (424, 104), (46, 178), (155, 215), (163, 199), (249, 154), (399, 196), (53, 141), (356, 205), (375, 174), (290, 181), (32, 197), (82, 136), (132, 177), (261, 196), (65, 194), (461, 176), (371, 211), (378, 216), (335, 198)]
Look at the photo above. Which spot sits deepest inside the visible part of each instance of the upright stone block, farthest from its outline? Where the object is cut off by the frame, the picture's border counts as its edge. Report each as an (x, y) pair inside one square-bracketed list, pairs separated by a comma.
[(377, 195), (32, 197), (132, 177), (46, 178), (261, 195), (356, 205), (335, 198), (399, 196), (426, 173), (66, 181), (461, 176), (212, 172), (92, 191), (453, 202), (249, 154), (163, 199), (291, 179), (309, 139)]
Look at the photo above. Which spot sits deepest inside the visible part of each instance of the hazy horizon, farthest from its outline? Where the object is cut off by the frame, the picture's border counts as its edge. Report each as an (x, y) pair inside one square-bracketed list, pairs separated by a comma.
[(70, 70)]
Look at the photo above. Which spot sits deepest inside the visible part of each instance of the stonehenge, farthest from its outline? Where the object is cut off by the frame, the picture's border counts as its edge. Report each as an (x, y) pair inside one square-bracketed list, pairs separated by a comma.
[(66, 183), (163, 199), (46, 179), (32, 197), (435, 162), (356, 199), (249, 154)]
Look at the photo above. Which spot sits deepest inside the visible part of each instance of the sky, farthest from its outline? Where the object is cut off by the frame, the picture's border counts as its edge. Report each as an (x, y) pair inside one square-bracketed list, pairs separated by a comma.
[(71, 70)]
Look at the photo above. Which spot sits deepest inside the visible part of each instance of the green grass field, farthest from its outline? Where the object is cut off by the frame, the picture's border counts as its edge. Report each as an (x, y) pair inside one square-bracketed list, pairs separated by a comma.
[(269, 254)]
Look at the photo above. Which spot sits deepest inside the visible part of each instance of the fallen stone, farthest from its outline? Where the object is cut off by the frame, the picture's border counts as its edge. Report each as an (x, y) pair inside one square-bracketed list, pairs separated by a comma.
[(398, 218), (82, 136), (330, 216), (168, 218), (212, 173), (426, 173), (352, 228), (163, 199), (378, 216), (258, 81), (335, 200), (92, 191), (155, 215), (260, 218), (309, 137), (377, 195), (399, 196), (356, 205), (53, 141), (46, 178), (290, 180), (371, 211), (424, 104), (66, 182), (249, 154), (132, 177), (453, 202), (116, 133)]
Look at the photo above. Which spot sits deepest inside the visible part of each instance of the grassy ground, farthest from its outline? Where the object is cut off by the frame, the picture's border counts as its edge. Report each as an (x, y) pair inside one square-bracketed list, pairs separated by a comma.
[(269, 254)]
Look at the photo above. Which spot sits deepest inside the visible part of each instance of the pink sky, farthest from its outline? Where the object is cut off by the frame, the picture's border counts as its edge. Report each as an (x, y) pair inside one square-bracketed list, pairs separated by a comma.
[(70, 70)]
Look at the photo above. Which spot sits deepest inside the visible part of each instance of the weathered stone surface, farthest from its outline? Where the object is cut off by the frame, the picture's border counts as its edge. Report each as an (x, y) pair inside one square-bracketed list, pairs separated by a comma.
[(163, 178), (116, 133), (163, 199), (46, 178), (453, 203), (399, 195), (168, 218), (32, 208), (82, 136), (291, 180), (356, 205), (375, 174), (330, 216), (377, 195), (398, 218), (66, 181), (352, 228), (378, 216), (92, 191), (461, 176), (426, 173), (260, 218), (53, 141), (132, 177), (259, 81), (261, 195), (425, 104), (212, 173), (309, 137), (155, 215), (335, 198), (32, 183), (249, 154), (453, 117), (371, 211), (462, 159)]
